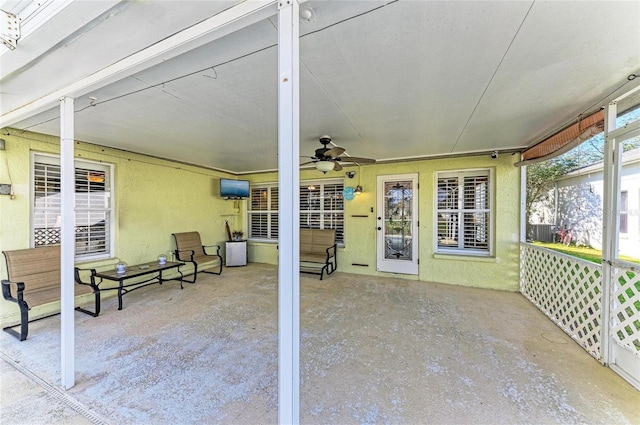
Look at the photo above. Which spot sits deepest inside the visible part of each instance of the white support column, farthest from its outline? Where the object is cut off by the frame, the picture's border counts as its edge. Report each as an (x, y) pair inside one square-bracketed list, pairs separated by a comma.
[(67, 242), (523, 204), (609, 225), (288, 214)]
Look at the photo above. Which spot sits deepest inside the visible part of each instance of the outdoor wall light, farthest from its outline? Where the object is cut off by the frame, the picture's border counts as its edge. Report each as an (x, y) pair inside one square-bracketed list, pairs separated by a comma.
[(351, 174), (358, 190)]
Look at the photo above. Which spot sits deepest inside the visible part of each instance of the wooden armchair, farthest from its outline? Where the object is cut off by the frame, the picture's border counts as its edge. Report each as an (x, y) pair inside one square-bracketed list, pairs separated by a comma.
[(189, 249)]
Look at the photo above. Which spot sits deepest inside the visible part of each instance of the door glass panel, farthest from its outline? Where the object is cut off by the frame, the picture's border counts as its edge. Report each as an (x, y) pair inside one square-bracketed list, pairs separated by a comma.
[(398, 220)]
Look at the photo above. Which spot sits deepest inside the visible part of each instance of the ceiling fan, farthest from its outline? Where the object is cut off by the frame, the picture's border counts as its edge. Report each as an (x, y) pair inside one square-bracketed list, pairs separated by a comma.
[(329, 158)]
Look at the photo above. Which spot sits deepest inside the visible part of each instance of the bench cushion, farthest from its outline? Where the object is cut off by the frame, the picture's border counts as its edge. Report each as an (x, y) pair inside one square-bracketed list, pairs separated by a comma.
[(189, 241), (39, 269), (313, 258), (316, 242)]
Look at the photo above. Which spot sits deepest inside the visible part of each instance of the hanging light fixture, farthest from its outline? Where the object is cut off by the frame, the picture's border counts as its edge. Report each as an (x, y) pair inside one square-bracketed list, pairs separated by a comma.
[(324, 166)]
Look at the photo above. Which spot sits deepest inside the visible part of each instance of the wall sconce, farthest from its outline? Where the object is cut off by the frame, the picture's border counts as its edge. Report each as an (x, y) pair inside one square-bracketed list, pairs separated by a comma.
[(358, 190)]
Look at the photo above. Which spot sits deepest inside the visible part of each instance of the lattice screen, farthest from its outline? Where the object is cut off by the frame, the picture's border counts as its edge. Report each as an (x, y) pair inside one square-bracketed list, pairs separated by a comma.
[(625, 309), (568, 290)]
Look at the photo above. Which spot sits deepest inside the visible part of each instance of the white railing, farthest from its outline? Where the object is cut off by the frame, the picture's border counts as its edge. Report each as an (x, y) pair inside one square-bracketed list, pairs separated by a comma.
[(567, 289), (625, 307)]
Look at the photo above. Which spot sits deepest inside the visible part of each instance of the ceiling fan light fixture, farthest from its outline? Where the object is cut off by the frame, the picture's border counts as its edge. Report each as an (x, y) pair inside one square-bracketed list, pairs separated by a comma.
[(324, 166)]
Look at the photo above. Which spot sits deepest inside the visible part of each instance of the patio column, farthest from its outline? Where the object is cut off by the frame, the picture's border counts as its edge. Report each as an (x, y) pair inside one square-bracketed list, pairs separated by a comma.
[(288, 214), (67, 242)]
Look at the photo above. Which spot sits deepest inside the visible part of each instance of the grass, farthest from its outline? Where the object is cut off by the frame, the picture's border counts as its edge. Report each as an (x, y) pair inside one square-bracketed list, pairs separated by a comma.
[(586, 253)]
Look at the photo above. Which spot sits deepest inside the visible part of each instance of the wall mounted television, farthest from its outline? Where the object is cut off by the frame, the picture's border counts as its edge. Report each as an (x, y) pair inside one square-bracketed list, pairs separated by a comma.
[(234, 189)]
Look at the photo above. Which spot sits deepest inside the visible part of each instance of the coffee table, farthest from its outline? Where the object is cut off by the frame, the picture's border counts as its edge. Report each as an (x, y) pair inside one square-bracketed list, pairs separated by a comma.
[(152, 268)]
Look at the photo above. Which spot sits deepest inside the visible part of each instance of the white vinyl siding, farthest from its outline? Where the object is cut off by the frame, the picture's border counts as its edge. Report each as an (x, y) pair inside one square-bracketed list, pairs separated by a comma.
[(464, 212), (93, 212)]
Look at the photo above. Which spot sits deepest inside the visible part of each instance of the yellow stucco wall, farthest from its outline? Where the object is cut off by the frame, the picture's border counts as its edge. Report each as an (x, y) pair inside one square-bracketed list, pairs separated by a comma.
[(155, 198), (497, 272)]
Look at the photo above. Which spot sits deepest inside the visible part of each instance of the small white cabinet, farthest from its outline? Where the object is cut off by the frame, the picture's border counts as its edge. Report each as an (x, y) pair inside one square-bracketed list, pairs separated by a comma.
[(236, 253)]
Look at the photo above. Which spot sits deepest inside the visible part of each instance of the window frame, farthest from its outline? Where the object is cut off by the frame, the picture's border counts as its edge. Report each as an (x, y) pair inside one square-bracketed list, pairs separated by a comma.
[(624, 213), (459, 211), (321, 211), (322, 203), (269, 212), (109, 211)]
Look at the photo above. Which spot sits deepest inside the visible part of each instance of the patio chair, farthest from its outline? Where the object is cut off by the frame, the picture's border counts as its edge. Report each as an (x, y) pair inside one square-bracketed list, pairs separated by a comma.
[(189, 249)]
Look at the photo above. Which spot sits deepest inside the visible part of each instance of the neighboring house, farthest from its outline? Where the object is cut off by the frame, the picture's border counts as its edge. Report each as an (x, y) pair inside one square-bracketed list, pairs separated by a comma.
[(577, 202)]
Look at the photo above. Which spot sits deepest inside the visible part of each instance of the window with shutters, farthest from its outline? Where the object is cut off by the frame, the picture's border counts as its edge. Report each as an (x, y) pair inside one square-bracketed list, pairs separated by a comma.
[(321, 207), (263, 212), (93, 212), (464, 212)]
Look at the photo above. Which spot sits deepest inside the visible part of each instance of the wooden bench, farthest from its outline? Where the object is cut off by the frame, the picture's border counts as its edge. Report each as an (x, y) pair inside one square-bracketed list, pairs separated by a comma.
[(189, 249), (34, 276), (318, 251)]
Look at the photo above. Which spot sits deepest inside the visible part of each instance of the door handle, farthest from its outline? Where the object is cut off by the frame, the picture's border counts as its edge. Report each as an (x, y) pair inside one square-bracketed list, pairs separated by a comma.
[(379, 228)]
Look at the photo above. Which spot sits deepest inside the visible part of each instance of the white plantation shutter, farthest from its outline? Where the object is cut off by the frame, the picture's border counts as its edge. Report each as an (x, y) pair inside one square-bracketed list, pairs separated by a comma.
[(321, 207), (263, 212), (92, 206), (46, 212), (464, 212), (92, 211), (476, 212)]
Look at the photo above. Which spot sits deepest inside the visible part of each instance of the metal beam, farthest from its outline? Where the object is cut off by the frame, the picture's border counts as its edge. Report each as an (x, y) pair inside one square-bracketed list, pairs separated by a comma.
[(67, 242), (627, 131), (213, 28), (288, 213)]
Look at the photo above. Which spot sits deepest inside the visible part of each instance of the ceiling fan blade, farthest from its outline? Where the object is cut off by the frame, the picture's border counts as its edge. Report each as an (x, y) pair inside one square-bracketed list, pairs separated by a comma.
[(337, 167), (356, 159), (306, 163), (334, 152)]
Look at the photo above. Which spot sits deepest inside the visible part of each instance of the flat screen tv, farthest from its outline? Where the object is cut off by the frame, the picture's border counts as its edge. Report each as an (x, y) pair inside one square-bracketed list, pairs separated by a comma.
[(234, 189)]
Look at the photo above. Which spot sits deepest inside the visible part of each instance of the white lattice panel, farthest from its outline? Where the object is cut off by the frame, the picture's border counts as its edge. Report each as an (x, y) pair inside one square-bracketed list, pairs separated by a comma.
[(625, 308), (567, 289)]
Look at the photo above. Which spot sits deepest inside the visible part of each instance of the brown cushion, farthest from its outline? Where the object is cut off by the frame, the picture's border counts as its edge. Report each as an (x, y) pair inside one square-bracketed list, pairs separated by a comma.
[(39, 269)]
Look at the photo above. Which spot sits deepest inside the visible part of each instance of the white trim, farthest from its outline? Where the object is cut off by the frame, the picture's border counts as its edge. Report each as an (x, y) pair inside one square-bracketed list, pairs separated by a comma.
[(54, 159), (458, 251), (383, 263)]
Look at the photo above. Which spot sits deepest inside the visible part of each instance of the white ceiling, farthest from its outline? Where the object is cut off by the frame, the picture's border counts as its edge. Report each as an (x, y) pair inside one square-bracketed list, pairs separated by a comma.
[(397, 80)]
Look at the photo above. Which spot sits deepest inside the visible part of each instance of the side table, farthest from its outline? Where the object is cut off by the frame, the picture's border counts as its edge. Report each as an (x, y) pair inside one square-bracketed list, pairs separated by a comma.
[(235, 253)]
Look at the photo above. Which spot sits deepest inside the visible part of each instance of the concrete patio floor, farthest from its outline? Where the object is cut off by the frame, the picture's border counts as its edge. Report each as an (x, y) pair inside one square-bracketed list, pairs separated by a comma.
[(373, 350)]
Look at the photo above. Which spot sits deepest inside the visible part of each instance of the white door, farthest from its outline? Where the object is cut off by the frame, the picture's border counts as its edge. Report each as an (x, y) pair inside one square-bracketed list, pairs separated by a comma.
[(622, 279), (397, 224)]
